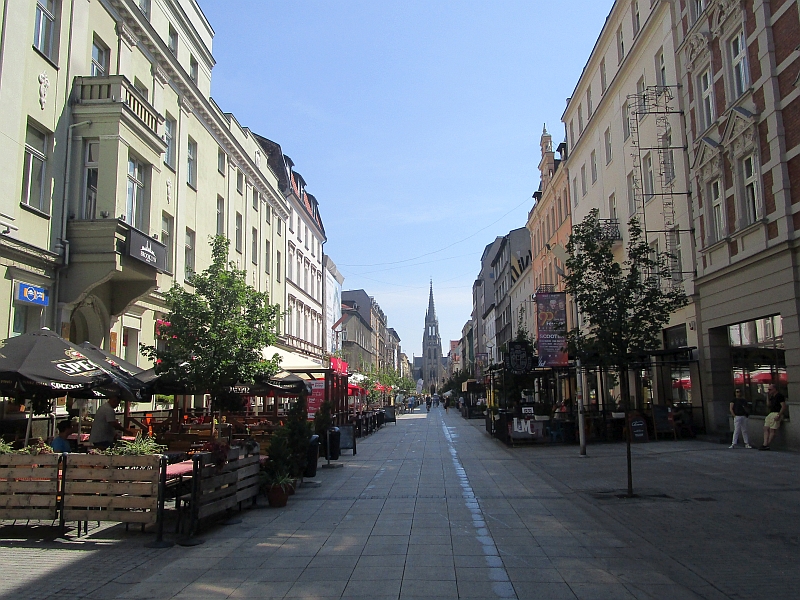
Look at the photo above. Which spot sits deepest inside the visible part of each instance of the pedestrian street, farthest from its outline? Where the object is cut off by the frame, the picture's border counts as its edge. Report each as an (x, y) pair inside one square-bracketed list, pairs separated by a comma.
[(434, 508)]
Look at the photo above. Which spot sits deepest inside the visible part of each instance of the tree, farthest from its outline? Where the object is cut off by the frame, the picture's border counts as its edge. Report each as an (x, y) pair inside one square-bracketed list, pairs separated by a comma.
[(624, 305), (213, 337)]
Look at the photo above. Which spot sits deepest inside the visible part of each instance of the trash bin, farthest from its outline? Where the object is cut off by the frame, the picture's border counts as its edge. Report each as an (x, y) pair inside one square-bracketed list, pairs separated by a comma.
[(313, 456), (381, 418), (333, 448)]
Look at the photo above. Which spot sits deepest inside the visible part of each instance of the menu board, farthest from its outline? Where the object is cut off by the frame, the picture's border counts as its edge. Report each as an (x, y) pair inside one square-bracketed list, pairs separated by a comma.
[(316, 398)]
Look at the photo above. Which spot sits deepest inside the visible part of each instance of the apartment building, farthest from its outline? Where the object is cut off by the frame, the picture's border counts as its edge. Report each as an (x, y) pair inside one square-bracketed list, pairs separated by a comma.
[(483, 316), (122, 170), (625, 135), (332, 291), (739, 87), (305, 236), (513, 252)]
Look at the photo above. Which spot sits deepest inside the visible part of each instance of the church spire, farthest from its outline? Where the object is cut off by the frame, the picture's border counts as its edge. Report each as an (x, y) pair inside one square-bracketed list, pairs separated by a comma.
[(431, 308)]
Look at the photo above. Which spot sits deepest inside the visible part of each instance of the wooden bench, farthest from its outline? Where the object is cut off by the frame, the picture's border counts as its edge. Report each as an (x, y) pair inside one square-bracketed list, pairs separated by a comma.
[(124, 489), (29, 486)]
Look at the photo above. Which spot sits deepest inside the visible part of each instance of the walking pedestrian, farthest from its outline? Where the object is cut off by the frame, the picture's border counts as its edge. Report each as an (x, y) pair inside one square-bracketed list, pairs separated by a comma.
[(740, 413), (446, 404), (777, 410)]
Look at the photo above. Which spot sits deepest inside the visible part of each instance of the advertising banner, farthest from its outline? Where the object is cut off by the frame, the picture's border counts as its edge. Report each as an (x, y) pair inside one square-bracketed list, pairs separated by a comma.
[(481, 362), (551, 309), (316, 398)]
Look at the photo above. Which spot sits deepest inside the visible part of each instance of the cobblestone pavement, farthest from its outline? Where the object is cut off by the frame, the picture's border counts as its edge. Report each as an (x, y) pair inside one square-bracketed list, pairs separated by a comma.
[(434, 508)]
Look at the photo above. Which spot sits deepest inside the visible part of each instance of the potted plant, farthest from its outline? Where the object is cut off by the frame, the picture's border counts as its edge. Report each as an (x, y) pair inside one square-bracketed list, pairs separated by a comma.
[(276, 486), (298, 437)]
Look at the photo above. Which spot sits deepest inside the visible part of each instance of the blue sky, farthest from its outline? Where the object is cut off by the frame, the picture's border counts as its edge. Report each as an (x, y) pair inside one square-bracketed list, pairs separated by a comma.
[(416, 125)]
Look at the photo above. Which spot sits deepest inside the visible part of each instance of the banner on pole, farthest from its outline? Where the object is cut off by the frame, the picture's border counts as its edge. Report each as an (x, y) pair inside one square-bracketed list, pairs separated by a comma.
[(551, 321)]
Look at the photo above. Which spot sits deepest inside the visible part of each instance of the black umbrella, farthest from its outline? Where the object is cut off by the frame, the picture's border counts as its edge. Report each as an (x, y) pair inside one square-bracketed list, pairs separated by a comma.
[(123, 376), (45, 365)]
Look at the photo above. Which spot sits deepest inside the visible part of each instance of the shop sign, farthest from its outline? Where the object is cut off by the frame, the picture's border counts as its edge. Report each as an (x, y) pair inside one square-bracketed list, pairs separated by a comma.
[(147, 250), (520, 359), (317, 397), (338, 365), (638, 428), (551, 309), (32, 294), (525, 429)]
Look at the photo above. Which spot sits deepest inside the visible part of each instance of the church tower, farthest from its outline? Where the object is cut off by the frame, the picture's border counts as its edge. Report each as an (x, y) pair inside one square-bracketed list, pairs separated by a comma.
[(432, 371)]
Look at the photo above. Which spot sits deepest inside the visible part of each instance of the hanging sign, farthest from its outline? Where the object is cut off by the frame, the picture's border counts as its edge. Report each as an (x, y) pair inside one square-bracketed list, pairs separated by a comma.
[(551, 309), (317, 397), (32, 294)]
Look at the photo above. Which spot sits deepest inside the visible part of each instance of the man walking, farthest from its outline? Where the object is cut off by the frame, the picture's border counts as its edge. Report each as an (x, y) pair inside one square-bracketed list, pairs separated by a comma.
[(777, 410), (740, 413)]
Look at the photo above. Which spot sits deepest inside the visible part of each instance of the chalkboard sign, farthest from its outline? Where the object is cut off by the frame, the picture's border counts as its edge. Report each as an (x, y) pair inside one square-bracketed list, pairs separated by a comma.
[(663, 421), (638, 428), (390, 416), (348, 440)]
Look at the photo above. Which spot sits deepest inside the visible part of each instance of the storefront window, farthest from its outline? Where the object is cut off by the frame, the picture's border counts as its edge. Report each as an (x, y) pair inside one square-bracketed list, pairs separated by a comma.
[(758, 359)]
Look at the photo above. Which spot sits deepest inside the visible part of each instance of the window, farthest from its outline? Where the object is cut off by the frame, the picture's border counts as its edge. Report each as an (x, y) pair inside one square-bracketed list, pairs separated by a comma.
[(44, 28), (631, 193), (706, 99), (641, 97), (675, 260), (667, 157), (35, 170), (571, 135), (574, 191), (254, 246), (239, 181), (741, 78), (583, 180), (188, 254), (191, 163), (588, 104), (306, 238), (649, 178), (99, 59), (749, 177), (635, 18), (593, 165), (313, 246), (134, 209), (144, 6), (222, 161), (289, 264), (255, 199), (90, 174), (172, 41), (141, 88), (580, 119), (166, 238), (193, 68), (220, 215), (612, 206), (607, 144), (239, 226), (699, 7), (620, 46), (715, 193), (267, 214), (603, 77), (267, 257), (278, 265), (170, 127), (626, 126), (661, 70), (280, 227)]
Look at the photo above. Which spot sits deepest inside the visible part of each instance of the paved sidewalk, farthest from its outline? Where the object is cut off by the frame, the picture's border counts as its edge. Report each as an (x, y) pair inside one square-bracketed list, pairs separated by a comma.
[(434, 508)]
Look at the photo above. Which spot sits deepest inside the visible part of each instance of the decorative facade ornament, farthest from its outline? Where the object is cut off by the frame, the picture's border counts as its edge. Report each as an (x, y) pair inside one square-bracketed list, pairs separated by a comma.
[(160, 75), (708, 161), (696, 44), (169, 191), (258, 159), (185, 103), (44, 86), (127, 35), (740, 132), (722, 11)]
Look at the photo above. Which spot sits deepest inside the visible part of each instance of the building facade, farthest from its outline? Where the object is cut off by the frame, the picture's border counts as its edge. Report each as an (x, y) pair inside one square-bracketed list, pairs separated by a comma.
[(332, 291), (739, 88), (123, 169), (512, 253)]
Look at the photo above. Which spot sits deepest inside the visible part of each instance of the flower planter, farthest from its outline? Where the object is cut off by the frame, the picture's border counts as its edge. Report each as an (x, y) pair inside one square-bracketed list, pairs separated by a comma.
[(278, 496)]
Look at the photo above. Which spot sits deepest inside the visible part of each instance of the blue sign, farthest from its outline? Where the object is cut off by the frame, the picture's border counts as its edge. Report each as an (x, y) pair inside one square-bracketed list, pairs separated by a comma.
[(32, 294)]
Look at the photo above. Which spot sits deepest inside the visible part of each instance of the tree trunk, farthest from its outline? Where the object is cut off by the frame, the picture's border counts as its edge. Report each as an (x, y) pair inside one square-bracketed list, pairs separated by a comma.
[(624, 383)]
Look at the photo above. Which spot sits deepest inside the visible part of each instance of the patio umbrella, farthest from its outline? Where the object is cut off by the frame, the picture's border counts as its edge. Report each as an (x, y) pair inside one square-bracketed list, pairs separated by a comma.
[(123, 375), (45, 365)]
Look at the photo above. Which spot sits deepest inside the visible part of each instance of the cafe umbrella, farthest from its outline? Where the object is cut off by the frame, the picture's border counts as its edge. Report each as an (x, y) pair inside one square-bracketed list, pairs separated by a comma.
[(124, 382), (43, 365)]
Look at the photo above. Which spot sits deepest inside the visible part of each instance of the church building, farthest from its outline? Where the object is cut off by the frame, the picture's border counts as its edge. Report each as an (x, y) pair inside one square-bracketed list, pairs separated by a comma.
[(432, 371)]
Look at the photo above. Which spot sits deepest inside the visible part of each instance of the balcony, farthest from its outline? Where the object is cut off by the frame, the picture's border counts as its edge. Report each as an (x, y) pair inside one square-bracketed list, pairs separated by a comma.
[(95, 97), (112, 261), (303, 346), (609, 230)]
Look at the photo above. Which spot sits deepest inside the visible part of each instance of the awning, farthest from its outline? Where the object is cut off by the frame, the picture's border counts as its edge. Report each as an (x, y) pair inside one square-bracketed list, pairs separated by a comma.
[(290, 360)]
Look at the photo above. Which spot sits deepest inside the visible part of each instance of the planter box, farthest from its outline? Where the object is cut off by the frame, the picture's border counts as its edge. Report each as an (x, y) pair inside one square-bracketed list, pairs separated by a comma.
[(29, 486)]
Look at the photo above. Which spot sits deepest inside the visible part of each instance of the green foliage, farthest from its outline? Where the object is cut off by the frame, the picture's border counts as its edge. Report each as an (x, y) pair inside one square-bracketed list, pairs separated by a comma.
[(39, 447), (279, 462), (141, 446), (5, 447), (212, 337), (298, 434), (625, 305), (453, 383), (322, 419)]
